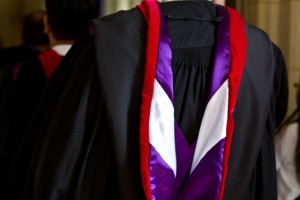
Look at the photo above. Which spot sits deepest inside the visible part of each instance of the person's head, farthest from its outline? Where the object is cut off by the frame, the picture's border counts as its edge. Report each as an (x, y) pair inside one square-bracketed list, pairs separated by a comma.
[(67, 19), (33, 29)]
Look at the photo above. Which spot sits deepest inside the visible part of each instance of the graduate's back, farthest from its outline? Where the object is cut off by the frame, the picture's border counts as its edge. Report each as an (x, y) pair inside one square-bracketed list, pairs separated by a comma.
[(92, 140)]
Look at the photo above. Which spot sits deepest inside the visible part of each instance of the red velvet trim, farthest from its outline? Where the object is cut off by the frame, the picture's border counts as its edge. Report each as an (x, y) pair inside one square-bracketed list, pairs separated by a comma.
[(238, 48), (49, 60), (150, 10)]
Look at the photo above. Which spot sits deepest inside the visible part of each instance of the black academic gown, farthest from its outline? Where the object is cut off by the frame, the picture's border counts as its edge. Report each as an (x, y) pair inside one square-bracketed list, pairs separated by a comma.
[(21, 86), (84, 140), (18, 100)]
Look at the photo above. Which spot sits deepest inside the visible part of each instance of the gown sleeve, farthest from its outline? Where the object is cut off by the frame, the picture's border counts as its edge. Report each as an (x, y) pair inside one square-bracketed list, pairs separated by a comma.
[(265, 174)]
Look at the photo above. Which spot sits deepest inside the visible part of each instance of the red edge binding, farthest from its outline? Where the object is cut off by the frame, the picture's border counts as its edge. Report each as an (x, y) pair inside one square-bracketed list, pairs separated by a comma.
[(150, 10), (238, 48)]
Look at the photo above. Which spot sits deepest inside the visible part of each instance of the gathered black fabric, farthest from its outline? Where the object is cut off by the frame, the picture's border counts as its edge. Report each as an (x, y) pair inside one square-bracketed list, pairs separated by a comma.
[(191, 72)]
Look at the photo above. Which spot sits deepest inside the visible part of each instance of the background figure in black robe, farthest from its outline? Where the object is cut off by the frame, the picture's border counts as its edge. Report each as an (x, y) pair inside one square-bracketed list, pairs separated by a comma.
[(35, 42), (34, 38), (21, 85), (85, 133)]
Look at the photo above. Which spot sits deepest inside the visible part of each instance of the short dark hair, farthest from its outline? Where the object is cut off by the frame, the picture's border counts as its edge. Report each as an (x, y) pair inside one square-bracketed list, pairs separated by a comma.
[(33, 28), (69, 18)]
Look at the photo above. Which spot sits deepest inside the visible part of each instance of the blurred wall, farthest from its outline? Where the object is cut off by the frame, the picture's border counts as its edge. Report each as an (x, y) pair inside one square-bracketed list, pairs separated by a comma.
[(112, 6), (11, 16), (280, 19)]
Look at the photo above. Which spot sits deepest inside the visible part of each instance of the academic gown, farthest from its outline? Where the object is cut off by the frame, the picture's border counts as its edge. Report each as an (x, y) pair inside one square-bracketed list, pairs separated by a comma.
[(84, 140), (21, 86)]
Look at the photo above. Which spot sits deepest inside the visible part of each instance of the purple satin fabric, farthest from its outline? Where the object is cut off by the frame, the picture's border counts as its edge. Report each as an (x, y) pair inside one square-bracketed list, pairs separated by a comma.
[(184, 154), (161, 177), (221, 63), (16, 71), (204, 182), (164, 73)]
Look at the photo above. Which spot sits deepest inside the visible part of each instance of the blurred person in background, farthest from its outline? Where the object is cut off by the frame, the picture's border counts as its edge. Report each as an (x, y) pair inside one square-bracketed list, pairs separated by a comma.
[(287, 143), (35, 40), (22, 85)]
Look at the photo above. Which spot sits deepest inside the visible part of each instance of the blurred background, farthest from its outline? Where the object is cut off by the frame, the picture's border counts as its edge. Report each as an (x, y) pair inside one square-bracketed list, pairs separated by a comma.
[(279, 18)]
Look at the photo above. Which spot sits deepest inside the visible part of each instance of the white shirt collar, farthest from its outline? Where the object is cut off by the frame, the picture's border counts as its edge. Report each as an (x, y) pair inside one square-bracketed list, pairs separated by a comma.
[(62, 49)]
